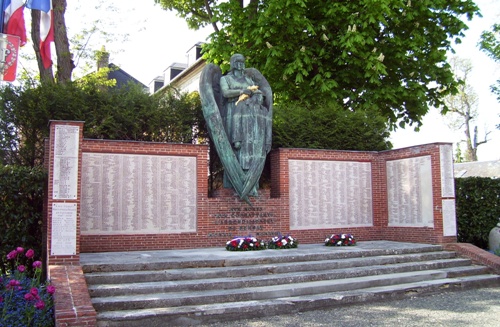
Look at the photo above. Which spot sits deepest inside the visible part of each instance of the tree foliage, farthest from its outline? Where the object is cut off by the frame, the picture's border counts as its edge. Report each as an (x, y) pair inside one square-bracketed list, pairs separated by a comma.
[(490, 44), (385, 56), (328, 126)]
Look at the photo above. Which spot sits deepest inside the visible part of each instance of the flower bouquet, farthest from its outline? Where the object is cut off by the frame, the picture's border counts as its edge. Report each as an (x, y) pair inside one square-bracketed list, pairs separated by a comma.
[(247, 243), (283, 242), (24, 299), (340, 240)]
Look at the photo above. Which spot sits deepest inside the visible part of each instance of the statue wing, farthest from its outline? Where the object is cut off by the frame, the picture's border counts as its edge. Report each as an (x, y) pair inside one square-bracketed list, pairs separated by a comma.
[(211, 101)]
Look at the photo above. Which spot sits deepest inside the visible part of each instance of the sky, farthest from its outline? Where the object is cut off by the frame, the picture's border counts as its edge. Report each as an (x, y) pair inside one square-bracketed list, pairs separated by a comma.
[(157, 38)]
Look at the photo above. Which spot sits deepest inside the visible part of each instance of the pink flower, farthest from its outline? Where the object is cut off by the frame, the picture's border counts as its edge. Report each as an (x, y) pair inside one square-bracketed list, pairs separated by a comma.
[(40, 305), (51, 289), (37, 264), (13, 283), (12, 255), (1, 299), (20, 250), (30, 254), (34, 291), (21, 268), (29, 297)]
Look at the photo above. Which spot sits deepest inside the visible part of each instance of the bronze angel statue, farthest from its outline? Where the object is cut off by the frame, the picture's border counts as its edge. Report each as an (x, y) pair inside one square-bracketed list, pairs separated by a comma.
[(238, 109)]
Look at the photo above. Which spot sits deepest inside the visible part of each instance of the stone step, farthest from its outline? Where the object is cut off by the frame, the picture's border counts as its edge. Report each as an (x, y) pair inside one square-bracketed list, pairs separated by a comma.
[(119, 277), (190, 315), (217, 257), (181, 298), (456, 266)]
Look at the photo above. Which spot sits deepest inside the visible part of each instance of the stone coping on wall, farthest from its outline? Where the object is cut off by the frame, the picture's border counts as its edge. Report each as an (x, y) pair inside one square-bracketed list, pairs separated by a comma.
[(72, 304)]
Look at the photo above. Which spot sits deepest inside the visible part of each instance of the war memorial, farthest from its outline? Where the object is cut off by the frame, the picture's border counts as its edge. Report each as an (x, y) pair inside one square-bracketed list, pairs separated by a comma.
[(146, 206)]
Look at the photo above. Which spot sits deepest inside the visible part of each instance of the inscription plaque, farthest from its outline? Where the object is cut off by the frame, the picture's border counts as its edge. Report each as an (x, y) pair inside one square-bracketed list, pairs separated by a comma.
[(328, 194), (63, 234), (409, 192), (447, 178), (138, 194), (65, 176), (449, 218)]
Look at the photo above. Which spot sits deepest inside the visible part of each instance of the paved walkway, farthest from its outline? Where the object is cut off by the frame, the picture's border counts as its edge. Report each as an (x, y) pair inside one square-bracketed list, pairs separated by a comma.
[(477, 307)]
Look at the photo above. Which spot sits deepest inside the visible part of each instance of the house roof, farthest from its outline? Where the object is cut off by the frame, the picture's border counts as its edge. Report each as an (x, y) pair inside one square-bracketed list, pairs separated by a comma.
[(122, 77), (478, 169)]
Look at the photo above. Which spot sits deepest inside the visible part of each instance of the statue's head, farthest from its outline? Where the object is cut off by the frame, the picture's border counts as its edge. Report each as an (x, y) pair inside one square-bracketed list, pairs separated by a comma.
[(237, 61)]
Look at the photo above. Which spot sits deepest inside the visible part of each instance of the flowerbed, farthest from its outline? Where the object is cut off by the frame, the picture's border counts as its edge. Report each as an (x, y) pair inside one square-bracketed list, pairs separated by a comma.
[(24, 299), (248, 243), (283, 242), (340, 240)]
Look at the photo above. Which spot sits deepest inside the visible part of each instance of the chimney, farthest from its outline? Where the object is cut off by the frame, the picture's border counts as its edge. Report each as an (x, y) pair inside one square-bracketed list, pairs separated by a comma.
[(102, 58)]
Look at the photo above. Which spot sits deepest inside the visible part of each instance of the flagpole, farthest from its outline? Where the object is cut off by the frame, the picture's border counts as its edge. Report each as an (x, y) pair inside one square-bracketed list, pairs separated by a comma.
[(2, 14)]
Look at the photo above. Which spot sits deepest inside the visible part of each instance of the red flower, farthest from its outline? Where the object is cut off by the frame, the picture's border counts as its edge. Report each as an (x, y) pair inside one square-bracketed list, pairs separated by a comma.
[(12, 255), (30, 254), (29, 297), (40, 305), (51, 289)]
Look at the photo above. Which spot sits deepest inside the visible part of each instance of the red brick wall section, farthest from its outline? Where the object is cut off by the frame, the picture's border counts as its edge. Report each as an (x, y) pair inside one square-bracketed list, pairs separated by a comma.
[(477, 255), (72, 305), (224, 216)]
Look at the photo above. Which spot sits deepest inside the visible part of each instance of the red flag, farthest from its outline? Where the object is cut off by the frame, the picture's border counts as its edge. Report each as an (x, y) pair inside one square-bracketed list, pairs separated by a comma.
[(9, 50), (14, 19), (46, 28)]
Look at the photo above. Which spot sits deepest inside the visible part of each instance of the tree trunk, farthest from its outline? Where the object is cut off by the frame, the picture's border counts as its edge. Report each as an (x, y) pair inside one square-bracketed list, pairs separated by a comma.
[(65, 64), (46, 74)]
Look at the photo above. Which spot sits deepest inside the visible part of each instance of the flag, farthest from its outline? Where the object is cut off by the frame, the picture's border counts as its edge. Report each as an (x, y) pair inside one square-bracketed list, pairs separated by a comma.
[(43, 5), (9, 51), (14, 19), (46, 28)]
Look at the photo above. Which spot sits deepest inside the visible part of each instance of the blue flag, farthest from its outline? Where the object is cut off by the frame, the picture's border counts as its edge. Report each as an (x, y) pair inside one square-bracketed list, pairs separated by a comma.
[(43, 5)]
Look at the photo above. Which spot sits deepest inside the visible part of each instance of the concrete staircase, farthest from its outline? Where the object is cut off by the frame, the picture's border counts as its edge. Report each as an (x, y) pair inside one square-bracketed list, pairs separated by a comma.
[(189, 287)]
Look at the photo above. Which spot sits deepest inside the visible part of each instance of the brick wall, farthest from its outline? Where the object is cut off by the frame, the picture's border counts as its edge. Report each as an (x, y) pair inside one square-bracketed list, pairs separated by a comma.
[(223, 216)]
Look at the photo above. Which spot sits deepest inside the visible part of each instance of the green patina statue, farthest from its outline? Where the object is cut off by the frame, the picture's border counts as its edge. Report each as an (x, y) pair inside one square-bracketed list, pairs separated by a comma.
[(238, 110)]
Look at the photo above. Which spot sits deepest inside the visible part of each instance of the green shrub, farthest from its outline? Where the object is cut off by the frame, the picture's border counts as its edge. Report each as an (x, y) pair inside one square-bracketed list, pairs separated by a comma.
[(21, 196), (478, 209)]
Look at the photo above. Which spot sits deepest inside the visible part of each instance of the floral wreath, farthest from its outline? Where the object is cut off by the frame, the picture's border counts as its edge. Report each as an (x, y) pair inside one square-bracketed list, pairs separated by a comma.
[(283, 242), (248, 243), (340, 240)]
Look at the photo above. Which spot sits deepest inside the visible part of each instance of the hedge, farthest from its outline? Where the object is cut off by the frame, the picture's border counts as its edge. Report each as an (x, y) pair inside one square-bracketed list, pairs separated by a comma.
[(478, 208), (21, 196)]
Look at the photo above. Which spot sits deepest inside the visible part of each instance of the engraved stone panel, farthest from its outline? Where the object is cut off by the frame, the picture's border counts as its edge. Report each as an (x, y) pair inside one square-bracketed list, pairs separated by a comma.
[(409, 192), (65, 176), (449, 218), (447, 178), (63, 233), (138, 194), (328, 194)]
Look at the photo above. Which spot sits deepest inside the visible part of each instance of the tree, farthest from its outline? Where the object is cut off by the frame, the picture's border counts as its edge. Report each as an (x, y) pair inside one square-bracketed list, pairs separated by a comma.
[(463, 106), (380, 56), (490, 44), (65, 63)]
